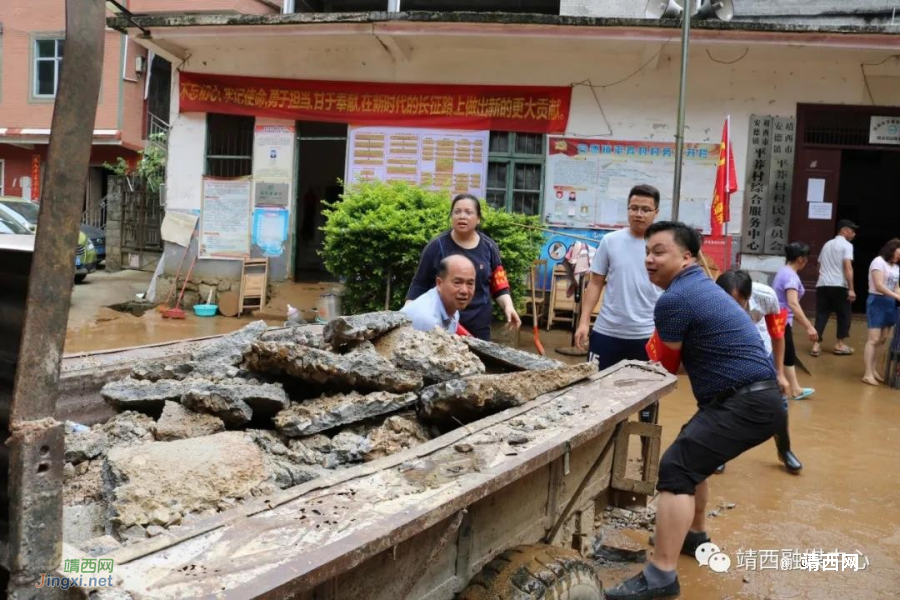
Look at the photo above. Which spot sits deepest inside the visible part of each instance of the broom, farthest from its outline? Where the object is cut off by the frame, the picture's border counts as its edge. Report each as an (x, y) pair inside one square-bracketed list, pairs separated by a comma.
[(176, 312)]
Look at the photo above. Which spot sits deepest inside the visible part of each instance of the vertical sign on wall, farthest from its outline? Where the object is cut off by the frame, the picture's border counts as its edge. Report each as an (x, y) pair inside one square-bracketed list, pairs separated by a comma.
[(35, 177), (781, 178), (756, 197)]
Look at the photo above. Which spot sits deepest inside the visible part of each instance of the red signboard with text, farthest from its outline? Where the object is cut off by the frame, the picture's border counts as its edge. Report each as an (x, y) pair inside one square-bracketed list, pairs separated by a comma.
[(530, 109), (718, 249), (35, 177)]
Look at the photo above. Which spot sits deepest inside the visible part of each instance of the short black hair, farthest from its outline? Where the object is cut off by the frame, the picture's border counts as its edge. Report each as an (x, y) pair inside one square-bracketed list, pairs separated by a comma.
[(459, 197), (685, 236), (736, 279), (647, 191), (795, 251)]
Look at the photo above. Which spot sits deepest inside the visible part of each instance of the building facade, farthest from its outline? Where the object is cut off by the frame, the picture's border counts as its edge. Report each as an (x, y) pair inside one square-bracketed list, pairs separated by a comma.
[(802, 99)]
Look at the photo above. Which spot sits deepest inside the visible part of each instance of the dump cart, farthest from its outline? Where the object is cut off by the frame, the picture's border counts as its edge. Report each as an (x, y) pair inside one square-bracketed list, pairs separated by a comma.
[(473, 510)]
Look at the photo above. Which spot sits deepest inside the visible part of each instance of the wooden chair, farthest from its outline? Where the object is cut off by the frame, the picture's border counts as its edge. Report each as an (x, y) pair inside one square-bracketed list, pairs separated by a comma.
[(537, 279), (559, 301), (254, 281)]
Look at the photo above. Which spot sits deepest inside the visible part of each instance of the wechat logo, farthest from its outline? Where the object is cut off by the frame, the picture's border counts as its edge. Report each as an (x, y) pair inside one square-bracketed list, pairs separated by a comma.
[(709, 555)]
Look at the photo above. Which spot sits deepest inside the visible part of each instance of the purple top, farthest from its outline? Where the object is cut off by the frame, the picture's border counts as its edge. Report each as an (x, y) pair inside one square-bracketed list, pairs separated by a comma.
[(787, 279)]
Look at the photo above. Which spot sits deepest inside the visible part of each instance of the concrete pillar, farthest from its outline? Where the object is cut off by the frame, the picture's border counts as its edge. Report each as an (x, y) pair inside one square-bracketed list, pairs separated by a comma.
[(114, 200)]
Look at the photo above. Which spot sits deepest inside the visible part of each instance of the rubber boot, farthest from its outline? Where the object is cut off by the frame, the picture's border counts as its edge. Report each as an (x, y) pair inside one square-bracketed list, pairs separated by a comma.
[(783, 443)]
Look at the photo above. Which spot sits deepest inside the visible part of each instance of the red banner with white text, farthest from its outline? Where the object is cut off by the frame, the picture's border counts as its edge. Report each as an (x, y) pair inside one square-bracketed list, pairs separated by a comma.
[(529, 109)]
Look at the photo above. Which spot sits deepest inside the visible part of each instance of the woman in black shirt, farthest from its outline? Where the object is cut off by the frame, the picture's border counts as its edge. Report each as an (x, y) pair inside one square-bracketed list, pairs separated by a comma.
[(464, 238)]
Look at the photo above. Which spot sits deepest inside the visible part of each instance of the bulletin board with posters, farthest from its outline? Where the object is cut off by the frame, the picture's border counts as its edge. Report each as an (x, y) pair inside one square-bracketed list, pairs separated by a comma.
[(435, 159), (225, 218), (588, 180)]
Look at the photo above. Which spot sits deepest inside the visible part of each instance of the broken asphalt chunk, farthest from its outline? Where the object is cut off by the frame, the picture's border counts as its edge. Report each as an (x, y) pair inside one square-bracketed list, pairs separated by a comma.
[(466, 400), (436, 355), (510, 358), (328, 412), (364, 371), (366, 326)]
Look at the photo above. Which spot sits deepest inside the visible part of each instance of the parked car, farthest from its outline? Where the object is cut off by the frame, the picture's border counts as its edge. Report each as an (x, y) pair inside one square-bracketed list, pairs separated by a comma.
[(98, 238), (9, 225), (28, 211), (11, 214), (85, 257)]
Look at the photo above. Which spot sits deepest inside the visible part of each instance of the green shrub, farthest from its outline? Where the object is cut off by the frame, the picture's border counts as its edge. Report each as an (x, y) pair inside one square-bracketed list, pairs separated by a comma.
[(375, 234)]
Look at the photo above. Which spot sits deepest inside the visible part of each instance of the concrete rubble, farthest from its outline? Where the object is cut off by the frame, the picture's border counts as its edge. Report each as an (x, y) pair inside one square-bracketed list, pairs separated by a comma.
[(436, 355), (179, 423), (510, 358), (259, 411), (367, 326), (157, 483), (364, 371), (305, 418), (236, 401), (466, 400)]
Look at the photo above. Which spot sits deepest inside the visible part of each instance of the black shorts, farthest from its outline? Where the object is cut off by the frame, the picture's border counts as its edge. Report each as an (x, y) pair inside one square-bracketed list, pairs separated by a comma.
[(719, 432), (790, 351)]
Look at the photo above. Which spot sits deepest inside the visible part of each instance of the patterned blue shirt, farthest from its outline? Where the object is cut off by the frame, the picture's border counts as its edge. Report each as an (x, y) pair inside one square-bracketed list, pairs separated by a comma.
[(721, 348)]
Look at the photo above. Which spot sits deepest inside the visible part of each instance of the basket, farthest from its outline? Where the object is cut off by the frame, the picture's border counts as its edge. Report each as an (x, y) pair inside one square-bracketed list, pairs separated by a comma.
[(205, 310)]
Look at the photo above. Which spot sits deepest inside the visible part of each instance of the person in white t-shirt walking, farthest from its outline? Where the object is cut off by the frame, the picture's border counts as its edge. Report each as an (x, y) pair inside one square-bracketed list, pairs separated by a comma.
[(834, 290), (881, 305), (625, 323)]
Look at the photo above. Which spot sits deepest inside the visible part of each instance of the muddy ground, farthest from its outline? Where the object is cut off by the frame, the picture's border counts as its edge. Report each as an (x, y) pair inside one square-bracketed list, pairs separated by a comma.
[(845, 499)]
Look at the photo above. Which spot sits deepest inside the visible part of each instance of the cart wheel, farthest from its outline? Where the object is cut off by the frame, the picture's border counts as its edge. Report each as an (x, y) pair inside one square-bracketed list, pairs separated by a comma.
[(537, 571)]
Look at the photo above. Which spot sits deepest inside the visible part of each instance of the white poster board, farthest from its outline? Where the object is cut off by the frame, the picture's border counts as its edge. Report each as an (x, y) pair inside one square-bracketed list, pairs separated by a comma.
[(588, 180), (273, 153), (225, 218), (435, 159)]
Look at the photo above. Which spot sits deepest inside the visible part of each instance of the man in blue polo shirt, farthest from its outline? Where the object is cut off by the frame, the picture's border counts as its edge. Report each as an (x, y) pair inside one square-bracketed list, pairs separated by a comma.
[(439, 307), (734, 382)]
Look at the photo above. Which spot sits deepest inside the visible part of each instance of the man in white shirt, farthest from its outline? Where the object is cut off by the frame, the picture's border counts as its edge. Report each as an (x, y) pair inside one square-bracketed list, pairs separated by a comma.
[(834, 290), (439, 307), (625, 323)]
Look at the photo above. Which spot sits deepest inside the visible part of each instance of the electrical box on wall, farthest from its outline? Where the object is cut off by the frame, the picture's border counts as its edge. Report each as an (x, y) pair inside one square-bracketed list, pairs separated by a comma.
[(140, 64)]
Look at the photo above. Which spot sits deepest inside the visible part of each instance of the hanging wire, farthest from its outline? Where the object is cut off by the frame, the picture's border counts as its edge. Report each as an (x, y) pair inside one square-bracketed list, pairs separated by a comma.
[(862, 67), (728, 62)]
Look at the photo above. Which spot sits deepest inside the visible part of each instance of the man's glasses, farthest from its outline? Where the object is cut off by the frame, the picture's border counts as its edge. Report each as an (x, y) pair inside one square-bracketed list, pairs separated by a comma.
[(644, 210)]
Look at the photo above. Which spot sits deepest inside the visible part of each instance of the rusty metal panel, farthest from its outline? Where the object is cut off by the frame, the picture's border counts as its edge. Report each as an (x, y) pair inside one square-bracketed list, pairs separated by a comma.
[(36, 439)]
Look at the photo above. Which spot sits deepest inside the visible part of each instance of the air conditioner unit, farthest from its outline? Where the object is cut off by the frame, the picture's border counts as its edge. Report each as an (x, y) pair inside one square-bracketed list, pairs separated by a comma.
[(140, 64)]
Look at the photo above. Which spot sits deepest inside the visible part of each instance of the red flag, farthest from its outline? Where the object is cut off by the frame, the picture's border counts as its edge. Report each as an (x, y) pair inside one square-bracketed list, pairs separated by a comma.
[(726, 183)]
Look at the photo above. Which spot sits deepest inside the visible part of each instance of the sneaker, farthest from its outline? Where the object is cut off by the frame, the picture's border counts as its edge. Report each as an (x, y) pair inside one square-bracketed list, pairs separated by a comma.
[(692, 541), (637, 588)]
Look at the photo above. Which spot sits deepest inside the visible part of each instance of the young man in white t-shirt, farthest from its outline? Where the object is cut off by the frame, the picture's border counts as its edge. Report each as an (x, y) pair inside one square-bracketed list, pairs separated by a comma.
[(834, 289), (625, 323)]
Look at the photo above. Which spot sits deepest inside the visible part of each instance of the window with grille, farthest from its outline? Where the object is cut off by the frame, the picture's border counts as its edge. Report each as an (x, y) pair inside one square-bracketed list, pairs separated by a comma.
[(516, 172), (48, 55), (229, 145)]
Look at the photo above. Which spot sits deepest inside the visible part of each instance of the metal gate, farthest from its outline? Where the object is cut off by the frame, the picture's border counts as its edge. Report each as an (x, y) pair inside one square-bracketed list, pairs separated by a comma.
[(142, 215)]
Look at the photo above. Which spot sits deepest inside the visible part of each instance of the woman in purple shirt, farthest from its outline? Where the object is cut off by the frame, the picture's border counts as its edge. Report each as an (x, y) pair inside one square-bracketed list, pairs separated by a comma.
[(789, 290)]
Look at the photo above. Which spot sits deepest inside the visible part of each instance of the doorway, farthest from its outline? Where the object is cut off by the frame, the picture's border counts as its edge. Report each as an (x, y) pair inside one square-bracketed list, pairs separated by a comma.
[(321, 150), (866, 197)]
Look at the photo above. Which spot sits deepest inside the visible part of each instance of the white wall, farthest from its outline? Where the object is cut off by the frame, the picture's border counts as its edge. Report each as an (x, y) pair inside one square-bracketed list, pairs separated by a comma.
[(186, 155), (762, 80)]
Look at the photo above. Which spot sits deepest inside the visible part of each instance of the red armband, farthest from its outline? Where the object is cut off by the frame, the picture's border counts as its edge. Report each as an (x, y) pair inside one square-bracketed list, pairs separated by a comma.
[(657, 351), (499, 282), (460, 330), (776, 324)]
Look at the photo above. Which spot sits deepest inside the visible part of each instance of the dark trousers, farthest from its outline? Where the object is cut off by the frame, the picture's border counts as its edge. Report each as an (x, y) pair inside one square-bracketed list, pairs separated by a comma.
[(833, 300)]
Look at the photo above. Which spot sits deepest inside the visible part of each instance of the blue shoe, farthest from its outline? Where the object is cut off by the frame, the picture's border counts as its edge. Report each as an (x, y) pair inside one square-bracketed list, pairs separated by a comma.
[(806, 393)]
